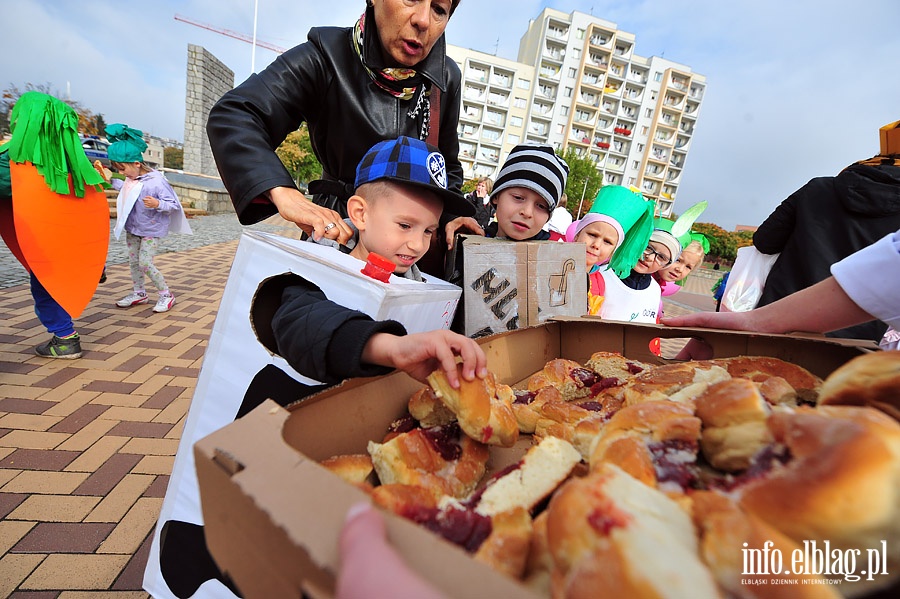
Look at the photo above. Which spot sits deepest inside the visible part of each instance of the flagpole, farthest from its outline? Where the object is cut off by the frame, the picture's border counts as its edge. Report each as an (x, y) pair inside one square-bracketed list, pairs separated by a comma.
[(253, 51)]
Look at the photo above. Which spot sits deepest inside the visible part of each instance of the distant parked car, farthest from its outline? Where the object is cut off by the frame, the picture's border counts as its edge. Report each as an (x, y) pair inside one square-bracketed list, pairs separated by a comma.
[(95, 148)]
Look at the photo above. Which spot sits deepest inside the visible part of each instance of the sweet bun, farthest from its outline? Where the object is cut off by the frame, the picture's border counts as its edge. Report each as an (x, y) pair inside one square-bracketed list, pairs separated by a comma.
[(759, 368), (680, 382), (725, 530), (612, 365), (483, 407), (527, 406), (573, 380), (353, 468), (543, 468), (609, 531), (409, 501), (734, 415), (839, 480), (868, 380), (439, 459), (655, 442), (506, 548), (428, 409)]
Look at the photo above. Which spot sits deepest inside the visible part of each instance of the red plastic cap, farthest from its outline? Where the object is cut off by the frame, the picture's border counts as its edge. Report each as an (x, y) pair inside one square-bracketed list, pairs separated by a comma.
[(378, 267)]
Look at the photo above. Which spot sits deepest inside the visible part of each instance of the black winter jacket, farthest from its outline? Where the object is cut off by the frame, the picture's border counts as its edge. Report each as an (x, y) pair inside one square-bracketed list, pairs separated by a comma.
[(324, 340), (825, 221), (322, 83)]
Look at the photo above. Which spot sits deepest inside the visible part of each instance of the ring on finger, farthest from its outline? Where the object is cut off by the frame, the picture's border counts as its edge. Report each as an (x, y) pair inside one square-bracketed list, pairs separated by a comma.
[(329, 227)]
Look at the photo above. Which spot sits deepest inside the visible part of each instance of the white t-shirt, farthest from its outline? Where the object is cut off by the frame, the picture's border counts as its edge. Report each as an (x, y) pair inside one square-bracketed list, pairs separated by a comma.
[(626, 304), (871, 277), (560, 219)]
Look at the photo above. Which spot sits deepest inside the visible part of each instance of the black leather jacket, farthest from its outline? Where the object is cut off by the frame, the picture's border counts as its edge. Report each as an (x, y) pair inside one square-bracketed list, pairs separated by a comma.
[(322, 83)]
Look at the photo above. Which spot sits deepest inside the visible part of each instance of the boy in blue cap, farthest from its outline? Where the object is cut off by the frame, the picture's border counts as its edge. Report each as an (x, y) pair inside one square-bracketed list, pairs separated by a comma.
[(401, 191)]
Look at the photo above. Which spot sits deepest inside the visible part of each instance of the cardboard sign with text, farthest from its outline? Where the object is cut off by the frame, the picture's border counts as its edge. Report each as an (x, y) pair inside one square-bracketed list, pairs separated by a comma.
[(241, 362), (509, 285)]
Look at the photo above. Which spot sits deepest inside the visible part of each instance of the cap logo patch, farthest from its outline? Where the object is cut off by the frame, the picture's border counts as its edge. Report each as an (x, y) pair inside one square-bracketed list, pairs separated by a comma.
[(437, 168)]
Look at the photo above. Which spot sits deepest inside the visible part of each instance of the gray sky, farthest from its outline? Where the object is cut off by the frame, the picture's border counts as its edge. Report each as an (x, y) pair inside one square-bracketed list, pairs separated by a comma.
[(796, 89)]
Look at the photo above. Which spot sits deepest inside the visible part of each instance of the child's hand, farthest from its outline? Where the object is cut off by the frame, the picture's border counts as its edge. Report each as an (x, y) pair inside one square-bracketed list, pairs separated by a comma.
[(466, 223), (150, 202), (104, 172), (420, 354)]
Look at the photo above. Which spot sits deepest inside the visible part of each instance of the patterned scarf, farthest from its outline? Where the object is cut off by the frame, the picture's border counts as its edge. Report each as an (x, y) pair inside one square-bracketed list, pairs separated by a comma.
[(399, 82)]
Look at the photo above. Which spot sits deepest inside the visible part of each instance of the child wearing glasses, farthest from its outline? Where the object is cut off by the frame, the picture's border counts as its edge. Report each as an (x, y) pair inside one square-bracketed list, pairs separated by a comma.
[(636, 297), (147, 209)]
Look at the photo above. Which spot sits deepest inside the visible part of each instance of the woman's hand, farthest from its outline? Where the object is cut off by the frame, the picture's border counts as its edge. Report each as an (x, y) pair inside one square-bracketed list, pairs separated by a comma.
[(466, 223), (420, 354), (314, 220)]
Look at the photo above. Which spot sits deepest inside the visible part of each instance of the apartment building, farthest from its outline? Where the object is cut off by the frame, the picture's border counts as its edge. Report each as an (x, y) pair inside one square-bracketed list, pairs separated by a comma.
[(578, 83)]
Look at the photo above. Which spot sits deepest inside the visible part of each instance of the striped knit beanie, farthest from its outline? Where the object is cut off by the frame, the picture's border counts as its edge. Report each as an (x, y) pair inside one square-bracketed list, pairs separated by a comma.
[(535, 167)]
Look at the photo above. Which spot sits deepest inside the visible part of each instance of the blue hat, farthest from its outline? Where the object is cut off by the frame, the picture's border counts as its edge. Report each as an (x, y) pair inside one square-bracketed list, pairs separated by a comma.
[(409, 161)]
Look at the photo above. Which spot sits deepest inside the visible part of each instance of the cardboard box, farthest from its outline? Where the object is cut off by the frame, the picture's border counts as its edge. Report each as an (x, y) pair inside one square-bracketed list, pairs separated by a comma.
[(890, 139), (273, 514), (241, 361), (509, 285)]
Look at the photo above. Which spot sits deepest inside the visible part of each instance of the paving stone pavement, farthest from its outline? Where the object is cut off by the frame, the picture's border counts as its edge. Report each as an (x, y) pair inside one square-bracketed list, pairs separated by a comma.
[(87, 446)]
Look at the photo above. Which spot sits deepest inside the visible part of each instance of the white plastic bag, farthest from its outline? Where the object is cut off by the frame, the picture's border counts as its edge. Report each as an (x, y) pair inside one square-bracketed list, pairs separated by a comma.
[(747, 279)]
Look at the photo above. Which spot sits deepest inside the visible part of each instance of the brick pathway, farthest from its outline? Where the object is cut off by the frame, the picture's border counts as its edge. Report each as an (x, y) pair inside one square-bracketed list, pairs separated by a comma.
[(86, 446)]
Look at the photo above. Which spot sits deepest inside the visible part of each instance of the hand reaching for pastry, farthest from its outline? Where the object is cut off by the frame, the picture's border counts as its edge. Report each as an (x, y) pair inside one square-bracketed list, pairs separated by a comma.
[(370, 567), (104, 172), (420, 354)]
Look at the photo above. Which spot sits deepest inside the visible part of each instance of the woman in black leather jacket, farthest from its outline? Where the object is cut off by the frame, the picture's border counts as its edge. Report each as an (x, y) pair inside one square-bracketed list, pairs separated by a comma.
[(387, 76)]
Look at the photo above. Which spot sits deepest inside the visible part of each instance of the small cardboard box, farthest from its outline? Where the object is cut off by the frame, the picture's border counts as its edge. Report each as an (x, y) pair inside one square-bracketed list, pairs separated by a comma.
[(509, 285), (890, 138), (273, 514), (241, 361)]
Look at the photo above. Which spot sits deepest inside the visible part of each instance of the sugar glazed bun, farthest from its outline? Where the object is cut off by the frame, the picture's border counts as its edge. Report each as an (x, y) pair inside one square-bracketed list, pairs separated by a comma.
[(838, 478), (439, 459), (573, 380), (868, 380), (760, 368), (483, 407), (681, 382), (612, 536)]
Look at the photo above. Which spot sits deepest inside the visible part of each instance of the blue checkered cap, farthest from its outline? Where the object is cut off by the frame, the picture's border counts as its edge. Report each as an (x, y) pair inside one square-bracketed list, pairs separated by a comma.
[(407, 160)]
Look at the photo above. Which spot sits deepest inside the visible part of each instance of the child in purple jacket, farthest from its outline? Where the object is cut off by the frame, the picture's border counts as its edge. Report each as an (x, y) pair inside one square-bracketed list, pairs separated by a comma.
[(147, 209)]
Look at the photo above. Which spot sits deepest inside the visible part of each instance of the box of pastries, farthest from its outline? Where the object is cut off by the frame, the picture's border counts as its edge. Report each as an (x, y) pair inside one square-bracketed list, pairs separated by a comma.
[(581, 466)]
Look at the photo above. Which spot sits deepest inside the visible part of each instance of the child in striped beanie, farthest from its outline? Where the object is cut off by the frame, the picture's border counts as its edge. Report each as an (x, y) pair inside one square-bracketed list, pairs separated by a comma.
[(526, 192)]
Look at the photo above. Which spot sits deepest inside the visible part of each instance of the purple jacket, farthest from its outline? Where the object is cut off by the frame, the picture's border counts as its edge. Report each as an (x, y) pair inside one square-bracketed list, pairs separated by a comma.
[(149, 222)]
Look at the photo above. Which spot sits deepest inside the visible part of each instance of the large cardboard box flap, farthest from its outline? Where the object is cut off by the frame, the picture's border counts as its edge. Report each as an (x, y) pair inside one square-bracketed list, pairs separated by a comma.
[(273, 515), (241, 367)]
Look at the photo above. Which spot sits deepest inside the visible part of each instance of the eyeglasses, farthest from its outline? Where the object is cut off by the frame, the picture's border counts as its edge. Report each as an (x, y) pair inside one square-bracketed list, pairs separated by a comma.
[(660, 259)]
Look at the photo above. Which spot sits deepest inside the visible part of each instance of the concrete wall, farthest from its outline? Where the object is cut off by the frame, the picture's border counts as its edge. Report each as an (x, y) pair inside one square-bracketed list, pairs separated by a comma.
[(211, 201), (207, 80)]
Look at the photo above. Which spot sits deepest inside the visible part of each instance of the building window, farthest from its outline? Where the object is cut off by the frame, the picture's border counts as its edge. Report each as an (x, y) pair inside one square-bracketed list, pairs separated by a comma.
[(512, 139), (564, 111), (579, 34), (657, 77), (648, 113), (520, 102), (635, 164), (645, 130), (572, 73), (568, 92), (523, 83), (515, 121), (559, 129)]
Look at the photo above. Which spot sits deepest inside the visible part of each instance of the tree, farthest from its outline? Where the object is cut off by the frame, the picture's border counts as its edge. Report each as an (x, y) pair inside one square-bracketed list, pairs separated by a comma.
[(722, 244), (88, 122), (584, 180), (297, 156), (173, 157)]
